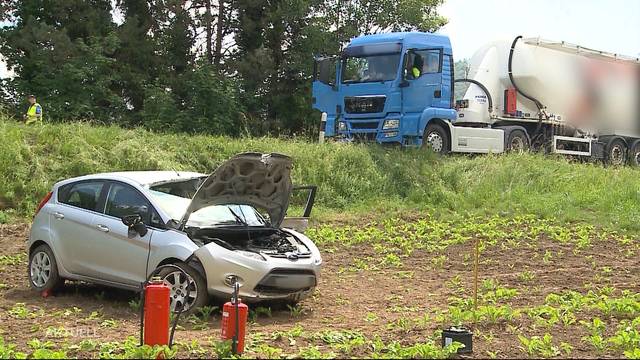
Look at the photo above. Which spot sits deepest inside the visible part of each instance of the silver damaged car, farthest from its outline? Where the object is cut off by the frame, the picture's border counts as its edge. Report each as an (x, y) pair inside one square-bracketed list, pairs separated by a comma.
[(117, 228)]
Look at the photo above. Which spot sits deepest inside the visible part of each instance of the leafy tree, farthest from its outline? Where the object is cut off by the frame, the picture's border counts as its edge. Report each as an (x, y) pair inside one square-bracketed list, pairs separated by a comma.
[(173, 65), (61, 52), (137, 63)]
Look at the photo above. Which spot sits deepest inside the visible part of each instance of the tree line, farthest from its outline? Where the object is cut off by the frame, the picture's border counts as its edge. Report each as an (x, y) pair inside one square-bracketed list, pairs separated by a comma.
[(201, 66)]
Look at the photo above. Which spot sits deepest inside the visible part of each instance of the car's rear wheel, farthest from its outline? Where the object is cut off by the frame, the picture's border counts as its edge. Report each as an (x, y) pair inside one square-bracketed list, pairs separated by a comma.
[(43, 270), (186, 292)]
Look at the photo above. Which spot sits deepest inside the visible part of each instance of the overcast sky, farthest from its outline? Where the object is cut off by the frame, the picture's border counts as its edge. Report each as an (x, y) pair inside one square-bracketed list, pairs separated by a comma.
[(611, 25)]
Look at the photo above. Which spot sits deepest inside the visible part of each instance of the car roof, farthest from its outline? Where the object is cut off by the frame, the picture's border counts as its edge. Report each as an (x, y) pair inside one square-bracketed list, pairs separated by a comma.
[(142, 178)]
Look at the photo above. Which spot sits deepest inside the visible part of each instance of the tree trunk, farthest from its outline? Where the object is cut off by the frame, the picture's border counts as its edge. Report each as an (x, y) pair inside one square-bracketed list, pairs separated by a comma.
[(208, 17), (219, 32)]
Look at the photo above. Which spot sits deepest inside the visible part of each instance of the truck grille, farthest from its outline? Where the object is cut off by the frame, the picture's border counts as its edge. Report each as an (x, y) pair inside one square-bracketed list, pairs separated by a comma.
[(364, 104), (368, 125)]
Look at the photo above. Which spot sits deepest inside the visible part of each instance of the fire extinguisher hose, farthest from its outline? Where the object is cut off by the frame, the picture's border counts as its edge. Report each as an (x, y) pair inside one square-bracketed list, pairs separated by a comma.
[(236, 290)]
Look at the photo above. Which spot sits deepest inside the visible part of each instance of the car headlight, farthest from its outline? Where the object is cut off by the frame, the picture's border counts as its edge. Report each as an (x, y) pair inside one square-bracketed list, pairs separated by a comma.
[(251, 254), (391, 124), (342, 126)]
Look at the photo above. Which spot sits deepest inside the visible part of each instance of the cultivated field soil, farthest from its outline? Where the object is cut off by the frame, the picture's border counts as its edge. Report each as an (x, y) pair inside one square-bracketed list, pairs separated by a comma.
[(388, 288)]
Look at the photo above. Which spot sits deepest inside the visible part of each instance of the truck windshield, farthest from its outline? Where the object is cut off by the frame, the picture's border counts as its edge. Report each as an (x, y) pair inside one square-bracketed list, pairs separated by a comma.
[(372, 68)]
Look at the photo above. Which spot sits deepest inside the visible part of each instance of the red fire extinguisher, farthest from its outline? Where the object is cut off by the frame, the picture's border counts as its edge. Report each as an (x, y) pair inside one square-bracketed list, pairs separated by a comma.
[(156, 312), (234, 321)]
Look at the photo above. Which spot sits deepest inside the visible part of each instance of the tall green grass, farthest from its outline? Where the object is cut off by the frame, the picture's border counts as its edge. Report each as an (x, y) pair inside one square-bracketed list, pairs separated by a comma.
[(352, 178)]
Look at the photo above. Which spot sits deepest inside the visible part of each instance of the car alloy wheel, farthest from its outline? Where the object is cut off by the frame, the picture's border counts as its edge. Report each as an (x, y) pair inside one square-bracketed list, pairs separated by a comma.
[(183, 290), (40, 269)]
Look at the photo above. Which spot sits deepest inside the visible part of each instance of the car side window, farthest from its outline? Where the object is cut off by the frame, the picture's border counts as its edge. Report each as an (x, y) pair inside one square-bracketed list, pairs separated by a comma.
[(83, 194), (124, 200)]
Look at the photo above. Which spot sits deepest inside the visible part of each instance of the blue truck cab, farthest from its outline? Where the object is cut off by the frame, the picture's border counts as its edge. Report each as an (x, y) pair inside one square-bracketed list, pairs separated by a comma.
[(386, 87)]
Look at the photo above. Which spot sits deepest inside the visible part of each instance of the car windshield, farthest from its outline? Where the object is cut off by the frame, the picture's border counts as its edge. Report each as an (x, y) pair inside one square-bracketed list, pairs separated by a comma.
[(357, 69), (233, 214)]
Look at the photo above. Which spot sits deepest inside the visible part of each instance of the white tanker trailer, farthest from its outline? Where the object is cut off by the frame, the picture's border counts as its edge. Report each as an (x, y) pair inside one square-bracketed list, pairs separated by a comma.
[(549, 95)]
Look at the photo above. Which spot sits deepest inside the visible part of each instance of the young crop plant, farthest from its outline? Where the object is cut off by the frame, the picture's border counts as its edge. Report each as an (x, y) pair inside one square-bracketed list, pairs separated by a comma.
[(493, 314), (371, 317), (268, 352), (296, 310), (596, 336), (20, 311), (222, 349), (133, 350), (18, 259), (134, 304), (392, 260), (313, 352), (193, 348), (109, 323), (85, 345), (526, 276), (404, 274), (539, 346), (438, 261), (627, 336), (402, 324), (343, 341), (205, 312), (7, 351)]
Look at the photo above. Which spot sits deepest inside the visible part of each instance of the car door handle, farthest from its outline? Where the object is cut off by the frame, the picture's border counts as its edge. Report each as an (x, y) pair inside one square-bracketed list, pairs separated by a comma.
[(102, 228), (58, 215)]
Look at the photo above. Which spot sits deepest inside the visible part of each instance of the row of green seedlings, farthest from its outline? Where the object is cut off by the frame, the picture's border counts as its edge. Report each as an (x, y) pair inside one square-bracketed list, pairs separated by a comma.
[(435, 235), (339, 343)]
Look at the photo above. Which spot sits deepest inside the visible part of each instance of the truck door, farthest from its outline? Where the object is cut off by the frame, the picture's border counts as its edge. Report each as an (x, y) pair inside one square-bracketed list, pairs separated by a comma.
[(423, 81), (325, 94)]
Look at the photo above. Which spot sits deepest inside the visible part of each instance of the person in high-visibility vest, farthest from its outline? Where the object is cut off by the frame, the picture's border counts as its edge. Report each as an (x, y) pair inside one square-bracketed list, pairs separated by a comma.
[(34, 113), (416, 69)]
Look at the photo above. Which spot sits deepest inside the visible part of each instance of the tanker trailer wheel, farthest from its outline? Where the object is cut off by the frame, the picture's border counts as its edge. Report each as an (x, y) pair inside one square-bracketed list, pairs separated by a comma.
[(616, 152), (517, 142), (436, 139), (634, 154)]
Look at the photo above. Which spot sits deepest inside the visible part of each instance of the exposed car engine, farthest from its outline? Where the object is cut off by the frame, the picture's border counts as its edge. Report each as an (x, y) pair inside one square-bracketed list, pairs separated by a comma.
[(266, 241)]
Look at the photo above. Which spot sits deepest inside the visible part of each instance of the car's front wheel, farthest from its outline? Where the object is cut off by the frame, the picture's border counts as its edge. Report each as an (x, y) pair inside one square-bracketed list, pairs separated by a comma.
[(186, 292), (43, 270)]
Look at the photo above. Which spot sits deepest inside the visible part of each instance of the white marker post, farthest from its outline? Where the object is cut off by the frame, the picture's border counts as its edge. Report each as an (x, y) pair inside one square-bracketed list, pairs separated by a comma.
[(323, 124)]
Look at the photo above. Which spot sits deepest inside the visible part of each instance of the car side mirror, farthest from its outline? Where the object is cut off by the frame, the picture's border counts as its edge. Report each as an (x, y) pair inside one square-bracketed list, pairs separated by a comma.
[(134, 222)]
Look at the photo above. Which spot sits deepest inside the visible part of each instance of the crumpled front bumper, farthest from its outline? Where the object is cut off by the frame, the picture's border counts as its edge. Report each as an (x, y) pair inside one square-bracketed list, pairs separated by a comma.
[(275, 278)]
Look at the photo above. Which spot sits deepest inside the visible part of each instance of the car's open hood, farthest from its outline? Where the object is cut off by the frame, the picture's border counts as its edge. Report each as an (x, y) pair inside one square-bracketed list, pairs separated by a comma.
[(260, 180)]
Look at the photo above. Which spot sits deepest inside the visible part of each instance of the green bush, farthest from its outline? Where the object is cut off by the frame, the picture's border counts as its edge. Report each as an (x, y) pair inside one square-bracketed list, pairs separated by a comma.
[(351, 177)]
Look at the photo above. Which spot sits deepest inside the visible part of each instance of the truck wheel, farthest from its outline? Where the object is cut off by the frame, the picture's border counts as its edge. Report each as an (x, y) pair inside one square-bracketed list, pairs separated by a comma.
[(517, 142), (634, 154), (616, 153), (435, 138)]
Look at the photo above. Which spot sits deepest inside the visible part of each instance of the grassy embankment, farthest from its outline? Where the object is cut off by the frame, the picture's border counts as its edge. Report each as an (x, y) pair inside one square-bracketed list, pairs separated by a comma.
[(353, 179)]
